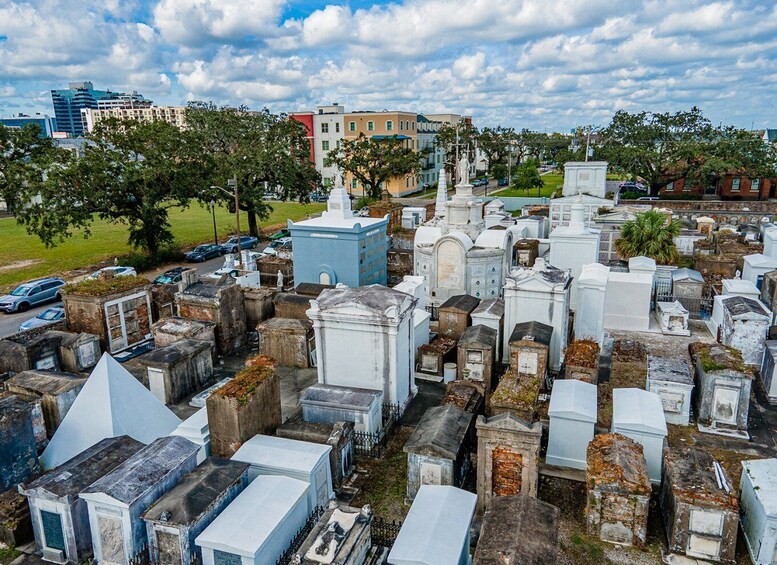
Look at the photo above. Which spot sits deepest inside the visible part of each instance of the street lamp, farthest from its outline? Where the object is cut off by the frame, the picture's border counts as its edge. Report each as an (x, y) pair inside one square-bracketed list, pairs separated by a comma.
[(232, 183), (213, 211)]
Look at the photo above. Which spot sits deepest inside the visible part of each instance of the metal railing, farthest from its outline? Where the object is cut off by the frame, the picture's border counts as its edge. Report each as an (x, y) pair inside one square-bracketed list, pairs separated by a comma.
[(299, 538), (698, 308), (374, 444), (384, 533)]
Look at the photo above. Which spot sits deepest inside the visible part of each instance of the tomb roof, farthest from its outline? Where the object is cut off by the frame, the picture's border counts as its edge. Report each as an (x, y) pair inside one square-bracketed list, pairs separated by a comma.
[(479, 334), (461, 303), (693, 479), (666, 369), (344, 396), (441, 432), (574, 400), (282, 453), (638, 410), (493, 307), (742, 306), (617, 463), (537, 331), (763, 476), (46, 382)]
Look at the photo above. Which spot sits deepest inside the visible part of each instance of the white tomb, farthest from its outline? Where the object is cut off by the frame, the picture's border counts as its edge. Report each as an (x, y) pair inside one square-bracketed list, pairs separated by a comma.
[(758, 509), (573, 246), (770, 242), (671, 380), (436, 530), (591, 301), (301, 460), (572, 415), (756, 266), (195, 428), (413, 216), (744, 327), (628, 301), (639, 414), (365, 338), (258, 526), (739, 287), (539, 293), (769, 371), (642, 265), (561, 209), (491, 313), (112, 403), (585, 177), (673, 318), (532, 227), (495, 206)]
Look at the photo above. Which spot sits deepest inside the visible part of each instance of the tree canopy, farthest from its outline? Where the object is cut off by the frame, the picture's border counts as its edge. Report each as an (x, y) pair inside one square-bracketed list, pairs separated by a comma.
[(649, 234), (130, 172), (264, 152), (22, 152), (664, 147), (374, 161), (527, 176)]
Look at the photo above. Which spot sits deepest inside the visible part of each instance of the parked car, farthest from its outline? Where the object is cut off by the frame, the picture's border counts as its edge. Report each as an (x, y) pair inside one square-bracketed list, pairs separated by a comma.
[(32, 293), (171, 276), (270, 249), (230, 266), (319, 197), (246, 242), (502, 182), (205, 252), (117, 272), (648, 198), (48, 316), (631, 185), (280, 234)]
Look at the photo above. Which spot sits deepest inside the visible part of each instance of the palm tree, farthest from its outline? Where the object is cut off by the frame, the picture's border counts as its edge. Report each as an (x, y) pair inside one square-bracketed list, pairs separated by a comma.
[(650, 234)]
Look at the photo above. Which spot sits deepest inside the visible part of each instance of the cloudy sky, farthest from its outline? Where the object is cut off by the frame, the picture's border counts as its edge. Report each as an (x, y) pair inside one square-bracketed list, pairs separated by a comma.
[(545, 65)]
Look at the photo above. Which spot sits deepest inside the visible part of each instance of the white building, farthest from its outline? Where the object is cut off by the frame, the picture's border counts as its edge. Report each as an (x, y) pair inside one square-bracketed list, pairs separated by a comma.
[(573, 246), (456, 254), (561, 209), (301, 460), (329, 126), (365, 339), (173, 115), (585, 177), (758, 509), (756, 266), (639, 415), (592, 294), (541, 294), (572, 415), (258, 526), (436, 530)]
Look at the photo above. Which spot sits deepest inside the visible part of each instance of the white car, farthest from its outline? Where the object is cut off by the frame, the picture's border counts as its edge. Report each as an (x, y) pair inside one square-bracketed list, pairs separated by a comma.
[(270, 249), (117, 272)]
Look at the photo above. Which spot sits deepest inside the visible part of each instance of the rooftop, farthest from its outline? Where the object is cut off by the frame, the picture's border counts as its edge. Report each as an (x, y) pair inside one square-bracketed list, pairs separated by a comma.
[(479, 334), (75, 475), (461, 303), (493, 307), (144, 469), (532, 331), (197, 491), (441, 432), (344, 396), (46, 382), (373, 297), (282, 453), (666, 369), (763, 476)]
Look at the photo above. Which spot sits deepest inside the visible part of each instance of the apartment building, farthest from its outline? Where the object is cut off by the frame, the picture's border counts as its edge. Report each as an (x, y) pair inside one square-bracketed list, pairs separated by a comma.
[(379, 125), (175, 115)]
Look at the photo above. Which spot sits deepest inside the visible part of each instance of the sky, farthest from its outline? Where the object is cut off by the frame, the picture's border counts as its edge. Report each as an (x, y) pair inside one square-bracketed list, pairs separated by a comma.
[(546, 65)]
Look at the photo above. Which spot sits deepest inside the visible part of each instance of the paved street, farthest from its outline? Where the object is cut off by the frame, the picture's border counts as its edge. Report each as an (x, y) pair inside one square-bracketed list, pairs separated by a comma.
[(9, 323)]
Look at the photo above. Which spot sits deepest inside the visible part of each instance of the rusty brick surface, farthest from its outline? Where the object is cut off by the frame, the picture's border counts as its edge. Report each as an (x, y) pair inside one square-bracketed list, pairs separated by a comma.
[(506, 469)]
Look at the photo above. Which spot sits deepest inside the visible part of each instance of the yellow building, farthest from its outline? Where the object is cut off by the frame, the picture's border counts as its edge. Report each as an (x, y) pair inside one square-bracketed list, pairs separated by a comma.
[(385, 124)]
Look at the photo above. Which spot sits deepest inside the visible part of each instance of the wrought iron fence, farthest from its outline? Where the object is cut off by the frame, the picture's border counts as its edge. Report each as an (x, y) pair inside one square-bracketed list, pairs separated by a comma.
[(374, 444), (299, 538), (142, 557), (384, 533)]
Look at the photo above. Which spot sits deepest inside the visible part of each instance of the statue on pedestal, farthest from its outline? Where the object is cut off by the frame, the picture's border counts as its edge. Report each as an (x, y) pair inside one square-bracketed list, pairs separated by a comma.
[(280, 281), (463, 169)]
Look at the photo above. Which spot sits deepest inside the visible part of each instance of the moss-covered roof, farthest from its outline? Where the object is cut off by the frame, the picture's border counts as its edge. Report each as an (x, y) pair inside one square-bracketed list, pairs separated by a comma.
[(104, 287), (582, 353), (242, 387)]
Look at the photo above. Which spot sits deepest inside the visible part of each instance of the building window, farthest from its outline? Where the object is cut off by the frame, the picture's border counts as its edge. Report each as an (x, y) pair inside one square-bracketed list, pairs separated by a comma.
[(401, 125), (686, 186), (389, 125), (325, 145), (735, 182), (351, 126), (755, 185), (354, 183), (370, 126), (337, 127), (324, 127), (413, 126)]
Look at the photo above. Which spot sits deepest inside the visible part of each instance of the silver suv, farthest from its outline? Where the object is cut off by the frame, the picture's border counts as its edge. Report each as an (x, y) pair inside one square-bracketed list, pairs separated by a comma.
[(32, 293)]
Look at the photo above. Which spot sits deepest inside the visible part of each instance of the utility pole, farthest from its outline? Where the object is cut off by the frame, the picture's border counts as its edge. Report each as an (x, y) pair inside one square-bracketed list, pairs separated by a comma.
[(232, 183), (587, 143)]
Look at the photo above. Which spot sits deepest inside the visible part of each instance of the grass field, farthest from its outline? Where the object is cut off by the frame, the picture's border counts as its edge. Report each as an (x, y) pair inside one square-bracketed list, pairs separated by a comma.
[(554, 182), (23, 256)]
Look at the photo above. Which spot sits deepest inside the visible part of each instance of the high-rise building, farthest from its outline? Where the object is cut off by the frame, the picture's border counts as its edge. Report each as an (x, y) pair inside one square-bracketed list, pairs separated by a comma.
[(81, 95)]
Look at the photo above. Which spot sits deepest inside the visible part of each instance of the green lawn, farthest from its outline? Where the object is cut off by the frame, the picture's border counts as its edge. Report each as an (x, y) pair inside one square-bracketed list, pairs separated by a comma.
[(23, 256), (554, 182)]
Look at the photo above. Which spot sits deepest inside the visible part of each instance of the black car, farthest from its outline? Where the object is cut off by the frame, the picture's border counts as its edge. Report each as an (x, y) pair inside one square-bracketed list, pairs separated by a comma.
[(172, 276), (204, 252), (503, 182)]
